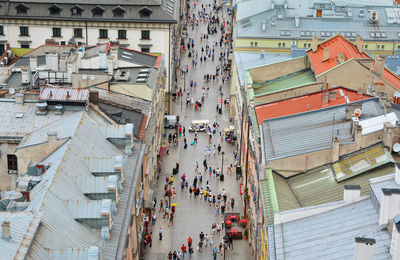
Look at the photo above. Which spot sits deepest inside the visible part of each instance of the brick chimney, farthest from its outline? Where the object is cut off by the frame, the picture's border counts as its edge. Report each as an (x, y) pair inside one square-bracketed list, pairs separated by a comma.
[(359, 43), (326, 54), (364, 248), (314, 43), (379, 65)]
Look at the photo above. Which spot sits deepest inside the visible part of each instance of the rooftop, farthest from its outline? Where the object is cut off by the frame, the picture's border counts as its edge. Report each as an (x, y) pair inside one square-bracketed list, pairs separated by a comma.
[(311, 131), (290, 81), (306, 103), (308, 237), (300, 20), (325, 184)]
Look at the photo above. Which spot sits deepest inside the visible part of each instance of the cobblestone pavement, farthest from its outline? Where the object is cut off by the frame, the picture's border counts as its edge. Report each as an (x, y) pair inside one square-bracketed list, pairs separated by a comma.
[(192, 215)]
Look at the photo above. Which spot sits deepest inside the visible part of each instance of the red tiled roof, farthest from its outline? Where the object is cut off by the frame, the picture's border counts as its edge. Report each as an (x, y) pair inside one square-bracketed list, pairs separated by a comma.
[(64, 94), (305, 103), (339, 44)]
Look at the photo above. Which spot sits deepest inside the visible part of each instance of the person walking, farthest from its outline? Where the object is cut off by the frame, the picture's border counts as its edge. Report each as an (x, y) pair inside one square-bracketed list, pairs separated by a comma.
[(160, 233), (183, 248)]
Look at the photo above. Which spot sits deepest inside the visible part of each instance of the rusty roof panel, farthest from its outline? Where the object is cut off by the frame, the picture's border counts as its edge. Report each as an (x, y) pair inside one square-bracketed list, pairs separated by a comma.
[(64, 94)]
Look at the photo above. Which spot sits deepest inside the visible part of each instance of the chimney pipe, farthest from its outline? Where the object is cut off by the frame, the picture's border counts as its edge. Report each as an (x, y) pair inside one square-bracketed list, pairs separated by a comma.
[(390, 205), (33, 63), (25, 75), (326, 54), (52, 136), (351, 193), (19, 98), (395, 243), (5, 230), (364, 248), (359, 43), (314, 43), (54, 61)]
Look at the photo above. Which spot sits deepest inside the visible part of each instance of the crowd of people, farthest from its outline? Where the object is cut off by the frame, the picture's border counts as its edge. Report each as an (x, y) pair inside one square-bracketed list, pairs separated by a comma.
[(212, 22)]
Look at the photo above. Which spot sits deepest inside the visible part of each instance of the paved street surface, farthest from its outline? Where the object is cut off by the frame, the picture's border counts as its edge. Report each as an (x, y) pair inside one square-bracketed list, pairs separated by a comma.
[(192, 215)]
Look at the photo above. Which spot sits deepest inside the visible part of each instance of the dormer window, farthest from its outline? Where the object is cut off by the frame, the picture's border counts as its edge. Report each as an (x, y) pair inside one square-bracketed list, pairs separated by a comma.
[(145, 12), (22, 9), (76, 10), (119, 11), (98, 11), (55, 10)]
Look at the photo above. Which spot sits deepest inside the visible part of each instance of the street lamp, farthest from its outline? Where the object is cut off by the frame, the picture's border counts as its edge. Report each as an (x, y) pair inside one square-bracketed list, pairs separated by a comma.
[(222, 167)]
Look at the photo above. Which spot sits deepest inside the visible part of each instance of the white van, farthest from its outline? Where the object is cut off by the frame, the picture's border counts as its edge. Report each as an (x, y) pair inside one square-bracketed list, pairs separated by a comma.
[(170, 121)]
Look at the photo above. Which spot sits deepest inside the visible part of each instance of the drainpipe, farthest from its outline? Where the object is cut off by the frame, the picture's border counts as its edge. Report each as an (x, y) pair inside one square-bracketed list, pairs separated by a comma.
[(86, 32)]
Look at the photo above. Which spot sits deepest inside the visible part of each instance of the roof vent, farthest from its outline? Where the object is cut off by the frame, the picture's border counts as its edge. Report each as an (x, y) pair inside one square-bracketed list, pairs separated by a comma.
[(351, 193), (262, 54), (5, 230), (122, 75), (59, 109), (364, 248), (373, 16)]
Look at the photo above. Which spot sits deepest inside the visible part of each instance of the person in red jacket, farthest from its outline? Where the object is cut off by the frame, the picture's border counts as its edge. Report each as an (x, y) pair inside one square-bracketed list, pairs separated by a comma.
[(190, 241), (183, 248)]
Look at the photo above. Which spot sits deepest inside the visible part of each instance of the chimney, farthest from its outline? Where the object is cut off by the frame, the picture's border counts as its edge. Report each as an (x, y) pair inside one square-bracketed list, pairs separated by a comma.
[(395, 243), (335, 149), (25, 75), (19, 98), (114, 54), (326, 54), (388, 129), (397, 174), (358, 136), (359, 43), (52, 136), (63, 62), (379, 65), (33, 63), (364, 248), (341, 58), (54, 61), (390, 205), (262, 54), (325, 94), (351, 193), (110, 65), (94, 96), (5, 230), (314, 43)]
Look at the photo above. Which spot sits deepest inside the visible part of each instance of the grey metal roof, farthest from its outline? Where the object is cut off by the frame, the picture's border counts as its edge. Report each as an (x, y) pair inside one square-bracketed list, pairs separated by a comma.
[(377, 184), (24, 61), (330, 235), (297, 21), (161, 10), (248, 60), (23, 226), (311, 131), (136, 57), (393, 63)]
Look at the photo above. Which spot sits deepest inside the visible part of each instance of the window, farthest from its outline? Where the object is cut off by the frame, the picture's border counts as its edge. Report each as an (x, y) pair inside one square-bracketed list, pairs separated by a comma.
[(24, 30), (279, 44), (302, 33), (145, 35), (145, 49), (365, 46), (55, 10), (145, 12), (121, 34), (22, 9), (378, 46), (305, 45), (255, 44), (319, 13), (118, 11), (103, 33), (251, 44), (78, 32), (76, 11), (12, 162), (98, 11), (56, 32), (282, 33), (2, 49), (1, 30), (309, 45), (62, 42), (25, 45), (382, 46), (283, 44)]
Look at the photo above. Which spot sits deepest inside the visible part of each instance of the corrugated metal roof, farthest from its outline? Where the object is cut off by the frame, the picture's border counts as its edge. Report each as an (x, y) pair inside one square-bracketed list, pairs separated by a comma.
[(330, 235), (305, 103), (103, 184), (375, 124), (89, 253), (311, 131), (64, 94), (23, 226)]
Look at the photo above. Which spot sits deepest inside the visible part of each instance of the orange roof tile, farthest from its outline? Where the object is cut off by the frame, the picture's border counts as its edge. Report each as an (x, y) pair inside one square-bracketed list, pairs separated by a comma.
[(337, 44), (305, 103)]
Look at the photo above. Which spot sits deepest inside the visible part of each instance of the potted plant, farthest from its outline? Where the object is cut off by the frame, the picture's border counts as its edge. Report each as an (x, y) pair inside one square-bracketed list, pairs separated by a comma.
[(246, 234)]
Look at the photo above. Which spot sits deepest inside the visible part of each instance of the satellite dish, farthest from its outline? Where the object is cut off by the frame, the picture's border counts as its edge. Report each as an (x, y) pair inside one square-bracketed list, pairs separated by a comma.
[(12, 91), (84, 76), (92, 77), (357, 112), (396, 147)]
